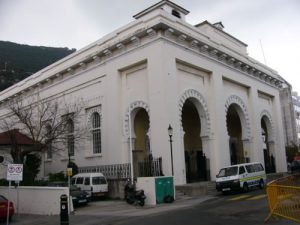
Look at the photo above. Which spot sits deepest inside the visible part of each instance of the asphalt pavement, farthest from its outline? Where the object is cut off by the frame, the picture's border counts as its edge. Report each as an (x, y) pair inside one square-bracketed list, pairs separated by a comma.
[(108, 212), (235, 209)]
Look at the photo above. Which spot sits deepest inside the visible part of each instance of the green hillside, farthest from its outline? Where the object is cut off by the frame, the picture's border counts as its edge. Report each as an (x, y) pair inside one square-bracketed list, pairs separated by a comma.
[(20, 61)]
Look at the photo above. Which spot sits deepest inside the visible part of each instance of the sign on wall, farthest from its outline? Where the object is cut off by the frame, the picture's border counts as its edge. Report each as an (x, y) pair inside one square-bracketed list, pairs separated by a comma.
[(15, 172)]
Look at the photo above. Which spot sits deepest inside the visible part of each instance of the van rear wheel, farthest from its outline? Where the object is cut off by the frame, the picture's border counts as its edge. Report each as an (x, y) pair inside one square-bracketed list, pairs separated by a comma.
[(261, 184), (245, 187)]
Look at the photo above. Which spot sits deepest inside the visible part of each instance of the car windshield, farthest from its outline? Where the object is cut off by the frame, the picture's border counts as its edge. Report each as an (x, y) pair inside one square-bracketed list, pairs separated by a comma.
[(2, 199), (230, 171), (74, 188)]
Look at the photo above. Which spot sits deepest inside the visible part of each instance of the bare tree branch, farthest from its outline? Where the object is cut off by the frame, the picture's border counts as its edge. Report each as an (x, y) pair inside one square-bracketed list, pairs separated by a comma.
[(45, 122)]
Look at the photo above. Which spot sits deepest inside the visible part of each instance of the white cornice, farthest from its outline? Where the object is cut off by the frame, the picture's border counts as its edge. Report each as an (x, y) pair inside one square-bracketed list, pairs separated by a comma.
[(169, 29)]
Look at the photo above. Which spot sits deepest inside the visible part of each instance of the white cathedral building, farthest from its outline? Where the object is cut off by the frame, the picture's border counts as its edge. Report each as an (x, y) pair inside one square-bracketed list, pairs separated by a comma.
[(157, 71)]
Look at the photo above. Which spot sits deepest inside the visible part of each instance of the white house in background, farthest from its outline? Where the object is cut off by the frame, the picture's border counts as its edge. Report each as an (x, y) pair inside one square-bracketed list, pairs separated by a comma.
[(289, 111), (296, 106), (157, 71)]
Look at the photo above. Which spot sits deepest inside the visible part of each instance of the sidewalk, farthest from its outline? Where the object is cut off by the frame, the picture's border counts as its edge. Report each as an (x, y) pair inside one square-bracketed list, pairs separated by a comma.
[(121, 208), (105, 212)]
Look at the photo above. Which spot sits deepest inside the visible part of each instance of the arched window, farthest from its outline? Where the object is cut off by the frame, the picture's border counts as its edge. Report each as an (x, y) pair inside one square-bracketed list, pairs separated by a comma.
[(48, 142), (96, 132), (70, 137)]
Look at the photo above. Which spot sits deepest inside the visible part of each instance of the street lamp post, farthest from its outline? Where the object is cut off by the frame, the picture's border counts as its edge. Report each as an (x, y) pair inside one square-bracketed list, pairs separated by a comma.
[(170, 131)]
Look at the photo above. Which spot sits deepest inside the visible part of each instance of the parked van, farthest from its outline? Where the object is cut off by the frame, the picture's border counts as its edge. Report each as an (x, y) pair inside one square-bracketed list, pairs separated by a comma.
[(241, 177), (93, 183)]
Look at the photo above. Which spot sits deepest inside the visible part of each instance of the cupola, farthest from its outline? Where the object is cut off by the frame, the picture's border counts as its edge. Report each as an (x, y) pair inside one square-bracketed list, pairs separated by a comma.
[(166, 5)]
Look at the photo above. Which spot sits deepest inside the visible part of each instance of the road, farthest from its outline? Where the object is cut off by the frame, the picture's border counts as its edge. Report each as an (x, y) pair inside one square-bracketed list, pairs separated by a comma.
[(235, 209), (250, 208)]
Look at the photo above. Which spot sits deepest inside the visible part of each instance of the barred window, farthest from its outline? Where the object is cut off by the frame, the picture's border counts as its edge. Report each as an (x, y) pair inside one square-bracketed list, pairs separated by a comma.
[(70, 137), (96, 132)]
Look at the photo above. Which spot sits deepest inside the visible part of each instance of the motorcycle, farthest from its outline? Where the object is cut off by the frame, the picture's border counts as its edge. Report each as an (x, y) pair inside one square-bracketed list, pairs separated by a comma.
[(133, 196)]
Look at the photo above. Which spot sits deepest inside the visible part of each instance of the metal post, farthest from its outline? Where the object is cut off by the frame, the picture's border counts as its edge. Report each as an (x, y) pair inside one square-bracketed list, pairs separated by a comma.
[(171, 154), (70, 198), (18, 202), (64, 211), (130, 148), (8, 203)]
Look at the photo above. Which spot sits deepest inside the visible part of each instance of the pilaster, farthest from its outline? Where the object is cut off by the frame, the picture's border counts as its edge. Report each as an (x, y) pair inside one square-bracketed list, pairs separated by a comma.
[(220, 155), (279, 148)]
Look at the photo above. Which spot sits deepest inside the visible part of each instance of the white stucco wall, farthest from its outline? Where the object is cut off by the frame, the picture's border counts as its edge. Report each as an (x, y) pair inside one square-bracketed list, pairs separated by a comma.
[(145, 66), (35, 200)]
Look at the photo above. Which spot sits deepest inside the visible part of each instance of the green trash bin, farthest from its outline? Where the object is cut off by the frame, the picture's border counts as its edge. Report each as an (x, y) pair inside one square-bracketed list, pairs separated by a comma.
[(164, 186)]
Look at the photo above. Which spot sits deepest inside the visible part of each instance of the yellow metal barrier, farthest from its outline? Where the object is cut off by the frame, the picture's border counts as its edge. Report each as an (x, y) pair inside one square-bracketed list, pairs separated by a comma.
[(284, 198)]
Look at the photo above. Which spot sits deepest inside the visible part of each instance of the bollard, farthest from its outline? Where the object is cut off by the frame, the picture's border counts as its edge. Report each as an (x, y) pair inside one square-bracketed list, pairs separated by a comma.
[(64, 211)]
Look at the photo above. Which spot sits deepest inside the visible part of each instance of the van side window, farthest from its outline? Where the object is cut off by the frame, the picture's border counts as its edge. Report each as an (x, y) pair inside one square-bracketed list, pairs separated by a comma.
[(259, 167), (86, 181), (242, 170), (99, 180), (250, 169), (79, 180)]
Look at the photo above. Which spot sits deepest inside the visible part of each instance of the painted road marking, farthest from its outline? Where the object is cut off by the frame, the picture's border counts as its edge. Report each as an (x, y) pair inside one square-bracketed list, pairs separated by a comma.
[(257, 197), (239, 197)]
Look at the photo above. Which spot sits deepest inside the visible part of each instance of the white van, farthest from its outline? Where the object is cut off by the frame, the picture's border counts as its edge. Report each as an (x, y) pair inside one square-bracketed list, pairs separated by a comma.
[(241, 177), (93, 183)]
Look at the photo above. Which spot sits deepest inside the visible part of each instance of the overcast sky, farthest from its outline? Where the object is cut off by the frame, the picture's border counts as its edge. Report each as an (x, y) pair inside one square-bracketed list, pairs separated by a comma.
[(272, 24)]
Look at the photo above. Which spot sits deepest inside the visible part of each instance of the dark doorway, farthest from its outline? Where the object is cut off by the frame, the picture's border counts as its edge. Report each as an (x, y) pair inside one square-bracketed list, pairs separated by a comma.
[(141, 149), (234, 128), (269, 159), (195, 159)]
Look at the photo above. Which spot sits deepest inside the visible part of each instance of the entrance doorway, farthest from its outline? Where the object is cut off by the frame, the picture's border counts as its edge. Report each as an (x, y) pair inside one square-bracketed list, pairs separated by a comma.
[(141, 151), (234, 128), (269, 159), (195, 159)]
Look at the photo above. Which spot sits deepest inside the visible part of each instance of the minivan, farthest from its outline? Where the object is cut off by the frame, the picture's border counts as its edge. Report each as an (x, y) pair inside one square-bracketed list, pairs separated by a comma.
[(241, 177), (93, 183)]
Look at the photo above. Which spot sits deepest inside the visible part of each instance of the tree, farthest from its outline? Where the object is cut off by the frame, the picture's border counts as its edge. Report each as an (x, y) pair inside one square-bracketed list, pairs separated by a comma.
[(45, 122), (31, 168)]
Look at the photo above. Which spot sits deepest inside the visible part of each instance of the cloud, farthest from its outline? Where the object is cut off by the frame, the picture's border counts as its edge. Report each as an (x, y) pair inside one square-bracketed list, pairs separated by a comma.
[(76, 23)]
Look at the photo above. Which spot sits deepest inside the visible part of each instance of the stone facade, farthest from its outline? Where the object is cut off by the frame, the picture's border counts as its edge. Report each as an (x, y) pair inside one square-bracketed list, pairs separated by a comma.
[(158, 71)]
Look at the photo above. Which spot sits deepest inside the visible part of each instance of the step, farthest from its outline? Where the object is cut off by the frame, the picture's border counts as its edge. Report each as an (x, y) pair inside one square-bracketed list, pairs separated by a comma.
[(179, 195), (197, 189)]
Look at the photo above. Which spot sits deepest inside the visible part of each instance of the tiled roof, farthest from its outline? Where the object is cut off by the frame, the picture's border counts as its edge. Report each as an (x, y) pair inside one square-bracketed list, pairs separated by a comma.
[(21, 139)]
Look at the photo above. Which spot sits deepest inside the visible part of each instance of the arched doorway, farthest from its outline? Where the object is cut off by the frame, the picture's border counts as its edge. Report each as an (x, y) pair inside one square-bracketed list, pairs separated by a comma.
[(141, 149), (195, 159), (234, 129), (269, 158)]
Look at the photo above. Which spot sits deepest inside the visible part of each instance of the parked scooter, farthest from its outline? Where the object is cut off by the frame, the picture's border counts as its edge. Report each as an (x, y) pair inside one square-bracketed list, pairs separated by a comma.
[(133, 196)]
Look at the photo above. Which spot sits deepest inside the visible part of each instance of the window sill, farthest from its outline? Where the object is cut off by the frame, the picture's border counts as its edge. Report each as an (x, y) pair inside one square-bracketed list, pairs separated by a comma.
[(67, 159), (93, 155), (48, 160)]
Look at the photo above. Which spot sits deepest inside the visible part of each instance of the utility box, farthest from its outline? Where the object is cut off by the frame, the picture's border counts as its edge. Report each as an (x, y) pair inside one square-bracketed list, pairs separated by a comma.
[(164, 186), (156, 188)]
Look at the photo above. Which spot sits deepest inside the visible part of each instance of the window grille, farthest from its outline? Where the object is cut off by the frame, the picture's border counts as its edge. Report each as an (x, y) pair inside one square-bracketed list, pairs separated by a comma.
[(96, 132)]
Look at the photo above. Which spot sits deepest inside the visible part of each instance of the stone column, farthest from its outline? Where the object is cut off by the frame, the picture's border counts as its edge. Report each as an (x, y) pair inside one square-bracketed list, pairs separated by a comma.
[(273, 158), (219, 155), (279, 147), (255, 147), (207, 146), (247, 150)]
